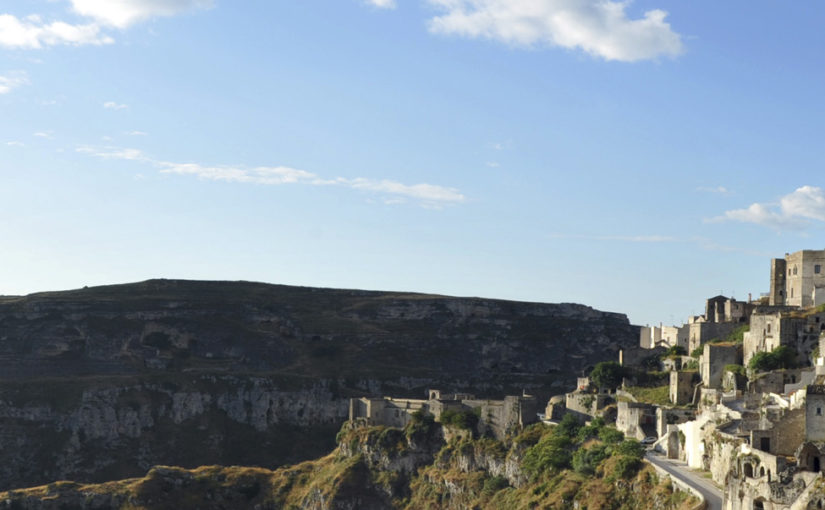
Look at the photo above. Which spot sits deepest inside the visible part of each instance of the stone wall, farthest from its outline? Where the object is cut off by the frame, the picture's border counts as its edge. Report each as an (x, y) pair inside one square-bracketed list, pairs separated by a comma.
[(784, 437), (496, 417), (681, 387), (671, 416), (815, 413), (634, 356), (805, 272), (714, 359), (635, 419), (702, 332)]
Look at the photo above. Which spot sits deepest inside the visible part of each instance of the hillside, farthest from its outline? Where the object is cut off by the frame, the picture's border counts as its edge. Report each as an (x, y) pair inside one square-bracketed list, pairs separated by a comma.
[(103, 383), (420, 467)]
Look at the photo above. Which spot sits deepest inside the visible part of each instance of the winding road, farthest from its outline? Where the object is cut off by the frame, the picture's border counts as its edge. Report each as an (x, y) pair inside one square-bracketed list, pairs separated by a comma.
[(711, 493)]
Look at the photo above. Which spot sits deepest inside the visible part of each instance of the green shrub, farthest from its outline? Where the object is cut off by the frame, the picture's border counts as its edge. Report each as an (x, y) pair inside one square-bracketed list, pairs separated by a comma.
[(675, 350), (697, 351), (591, 430), (781, 357), (736, 369), (585, 460), (630, 448), (421, 425), (494, 484), (460, 419), (549, 454), (610, 435), (568, 427), (627, 466), (607, 374)]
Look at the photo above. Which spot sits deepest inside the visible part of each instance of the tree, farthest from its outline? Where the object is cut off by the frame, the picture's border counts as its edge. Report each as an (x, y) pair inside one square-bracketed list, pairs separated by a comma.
[(675, 350), (607, 374), (781, 357)]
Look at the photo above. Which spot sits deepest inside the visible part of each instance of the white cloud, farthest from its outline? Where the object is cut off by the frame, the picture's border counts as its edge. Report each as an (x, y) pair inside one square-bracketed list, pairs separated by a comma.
[(111, 105), (260, 175), (598, 27), (114, 153), (123, 13), (429, 195), (136, 133), (794, 210), (12, 80), (424, 192), (44, 134), (15, 143), (382, 4), (718, 189), (33, 33)]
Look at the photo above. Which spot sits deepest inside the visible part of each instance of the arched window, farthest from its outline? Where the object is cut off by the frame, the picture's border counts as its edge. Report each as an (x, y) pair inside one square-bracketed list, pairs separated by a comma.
[(762, 471), (748, 470)]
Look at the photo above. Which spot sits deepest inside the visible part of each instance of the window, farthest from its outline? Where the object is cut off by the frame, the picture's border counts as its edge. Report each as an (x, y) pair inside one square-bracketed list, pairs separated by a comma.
[(817, 269), (769, 327), (794, 270), (819, 411)]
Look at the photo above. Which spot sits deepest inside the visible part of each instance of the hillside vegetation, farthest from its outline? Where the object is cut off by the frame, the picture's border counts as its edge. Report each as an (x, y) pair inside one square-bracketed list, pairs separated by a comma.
[(377, 468)]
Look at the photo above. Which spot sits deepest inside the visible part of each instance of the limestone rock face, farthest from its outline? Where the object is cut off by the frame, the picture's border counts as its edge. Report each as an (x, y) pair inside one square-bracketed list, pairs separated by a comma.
[(105, 382)]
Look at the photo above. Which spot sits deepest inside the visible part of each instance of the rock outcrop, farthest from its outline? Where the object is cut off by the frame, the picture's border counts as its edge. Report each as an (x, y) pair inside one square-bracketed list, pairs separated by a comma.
[(102, 383)]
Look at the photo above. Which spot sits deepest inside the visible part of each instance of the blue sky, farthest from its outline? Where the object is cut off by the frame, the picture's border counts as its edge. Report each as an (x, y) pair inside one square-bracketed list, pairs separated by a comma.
[(637, 157)]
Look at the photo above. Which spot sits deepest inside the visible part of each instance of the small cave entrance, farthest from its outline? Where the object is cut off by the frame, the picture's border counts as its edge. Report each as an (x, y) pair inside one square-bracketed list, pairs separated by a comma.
[(759, 504), (816, 465), (748, 470)]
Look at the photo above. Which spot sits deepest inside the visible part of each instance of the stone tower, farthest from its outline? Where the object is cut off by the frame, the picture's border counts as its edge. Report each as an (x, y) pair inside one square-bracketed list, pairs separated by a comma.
[(778, 279)]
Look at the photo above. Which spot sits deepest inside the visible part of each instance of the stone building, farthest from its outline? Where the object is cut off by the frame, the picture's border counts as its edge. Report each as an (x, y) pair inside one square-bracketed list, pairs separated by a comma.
[(664, 336), (713, 361), (681, 387), (498, 417), (798, 279), (702, 331), (797, 329), (725, 309), (636, 419), (815, 413)]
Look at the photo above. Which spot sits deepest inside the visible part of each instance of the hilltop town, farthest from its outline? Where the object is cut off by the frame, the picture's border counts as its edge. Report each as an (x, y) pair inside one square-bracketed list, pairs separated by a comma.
[(738, 392)]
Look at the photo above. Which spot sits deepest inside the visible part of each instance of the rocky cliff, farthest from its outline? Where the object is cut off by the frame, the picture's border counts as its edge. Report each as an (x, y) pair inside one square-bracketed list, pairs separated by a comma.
[(378, 468), (102, 383)]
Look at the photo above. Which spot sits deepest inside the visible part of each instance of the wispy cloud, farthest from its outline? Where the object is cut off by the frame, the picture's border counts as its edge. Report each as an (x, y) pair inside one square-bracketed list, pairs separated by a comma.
[(601, 28), (12, 80), (15, 143), (429, 195), (136, 133), (493, 164), (44, 134), (124, 13), (33, 33), (794, 211), (630, 239), (382, 4), (718, 189), (111, 105)]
